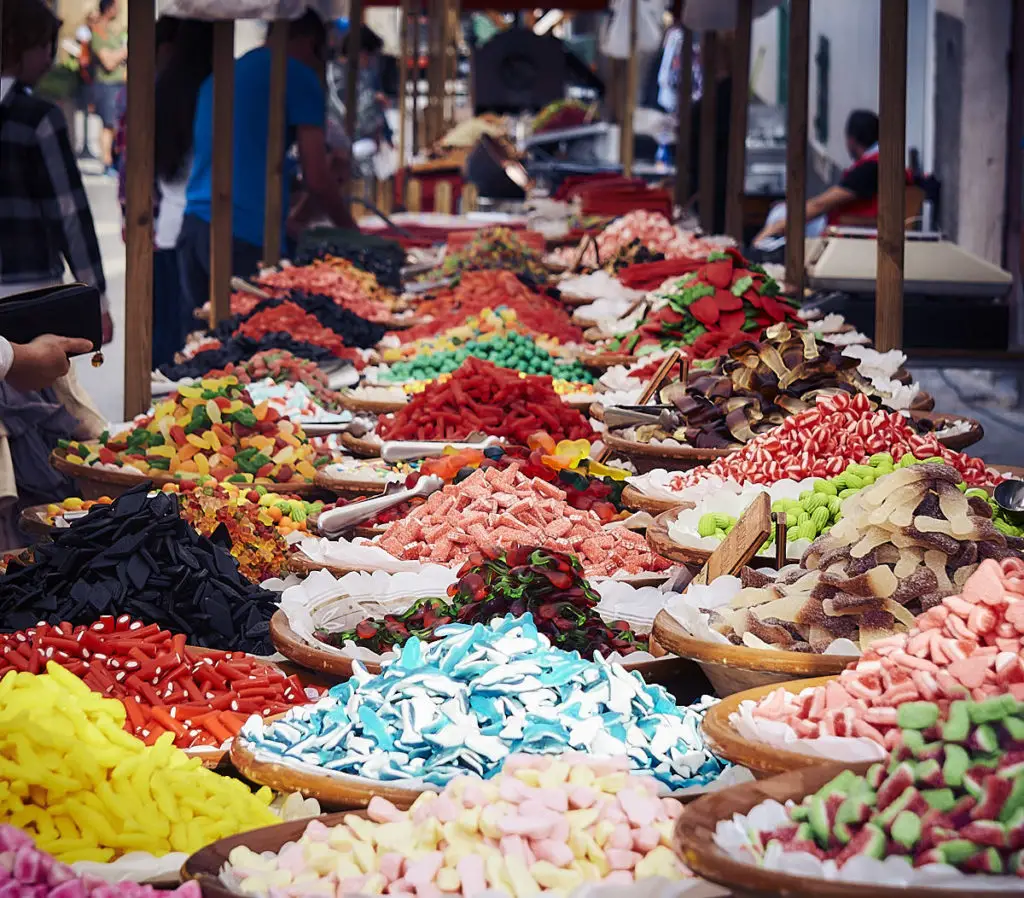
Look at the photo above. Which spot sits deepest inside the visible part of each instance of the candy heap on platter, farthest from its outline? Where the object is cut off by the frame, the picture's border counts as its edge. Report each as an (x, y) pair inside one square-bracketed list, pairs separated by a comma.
[(478, 695), (824, 440), (84, 789), (481, 397), (712, 309), (901, 546), (355, 290), (26, 871), (139, 557), (506, 508), (477, 291), (201, 357), (201, 696), (494, 248), (213, 430), (953, 794), (548, 585), (281, 366), (513, 350), (372, 262), (971, 646), (652, 229), (542, 825)]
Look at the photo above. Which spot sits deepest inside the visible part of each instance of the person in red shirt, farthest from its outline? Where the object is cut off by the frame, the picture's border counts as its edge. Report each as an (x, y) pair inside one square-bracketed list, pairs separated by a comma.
[(856, 194)]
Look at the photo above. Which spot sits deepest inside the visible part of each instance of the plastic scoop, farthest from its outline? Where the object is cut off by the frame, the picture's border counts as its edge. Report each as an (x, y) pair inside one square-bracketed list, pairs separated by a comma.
[(1009, 496)]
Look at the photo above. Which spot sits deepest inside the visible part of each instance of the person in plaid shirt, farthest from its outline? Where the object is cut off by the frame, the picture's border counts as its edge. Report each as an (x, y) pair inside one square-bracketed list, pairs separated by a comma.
[(45, 219)]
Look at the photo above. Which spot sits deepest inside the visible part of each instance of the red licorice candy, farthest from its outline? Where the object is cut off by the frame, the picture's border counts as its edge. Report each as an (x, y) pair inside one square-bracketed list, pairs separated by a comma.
[(201, 695), (482, 397)]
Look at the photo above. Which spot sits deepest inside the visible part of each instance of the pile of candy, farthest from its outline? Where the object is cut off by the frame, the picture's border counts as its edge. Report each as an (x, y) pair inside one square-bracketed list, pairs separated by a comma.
[(548, 585), (482, 397), (653, 230), (505, 508), (357, 254), (117, 796), (201, 696), (281, 367), (289, 318), (540, 825), (494, 249), (139, 557), (479, 290), (824, 440), (952, 794), (355, 290), (901, 546), (513, 350), (25, 871), (971, 646), (212, 430), (478, 695), (217, 355)]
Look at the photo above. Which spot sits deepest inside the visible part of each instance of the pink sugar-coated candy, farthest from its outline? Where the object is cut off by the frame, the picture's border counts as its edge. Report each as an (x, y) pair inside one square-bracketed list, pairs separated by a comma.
[(672, 807), (640, 809), (612, 812), (472, 876), (553, 851), (292, 858), (560, 830), (525, 825), (318, 832), (513, 846), (619, 878), (621, 858), (391, 865), (421, 872), (380, 810), (581, 797), (645, 839), (621, 837), (473, 795), (444, 809), (553, 799), (351, 885), (428, 891), (970, 671), (513, 790), (393, 888)]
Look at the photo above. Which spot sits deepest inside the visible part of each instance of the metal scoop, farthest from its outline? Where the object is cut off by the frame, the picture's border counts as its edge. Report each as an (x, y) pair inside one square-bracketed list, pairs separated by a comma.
[(336, 521), (1009, 496)]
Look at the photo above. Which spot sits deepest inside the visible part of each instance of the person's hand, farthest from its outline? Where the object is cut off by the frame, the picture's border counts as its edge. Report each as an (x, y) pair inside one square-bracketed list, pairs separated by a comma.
[(108, 329), (38, 364), (775, 229)]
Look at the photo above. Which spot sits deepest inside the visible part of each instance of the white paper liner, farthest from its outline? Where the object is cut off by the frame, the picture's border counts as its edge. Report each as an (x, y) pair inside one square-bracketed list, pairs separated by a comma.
[(618, 376), (733, 837), (687, 607), (599, 285)]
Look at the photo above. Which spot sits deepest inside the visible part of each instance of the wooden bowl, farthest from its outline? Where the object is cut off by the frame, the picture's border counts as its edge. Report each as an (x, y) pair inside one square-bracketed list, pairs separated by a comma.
[(694, 842), (360, 447), (337, 791), (205, 865), (345, 486), (647, 456), (735, 668), (300, 563), (35, 521), (371, 406), (960, 441), (95, 482), (604, 360), (660, 542), (633, 498), (760, 758), (922, 402)]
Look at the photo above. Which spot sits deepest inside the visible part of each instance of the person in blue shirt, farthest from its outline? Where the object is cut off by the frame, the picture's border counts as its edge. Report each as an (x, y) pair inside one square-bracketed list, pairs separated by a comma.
[(305, 110)]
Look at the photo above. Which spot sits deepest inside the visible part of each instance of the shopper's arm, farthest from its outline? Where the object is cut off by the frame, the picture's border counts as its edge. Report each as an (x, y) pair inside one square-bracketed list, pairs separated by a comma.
[(110, 59), (822, 204), (316, 174)]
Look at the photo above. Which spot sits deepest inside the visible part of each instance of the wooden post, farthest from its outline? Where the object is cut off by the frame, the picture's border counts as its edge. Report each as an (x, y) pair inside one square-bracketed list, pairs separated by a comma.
[(892, 185), (355, 27), (435, 70), (403, 84), (627, 140), (138, 310), (684, 137), (451, 59), (223, 162), (708, 129), (1014, 249), (796, 141), (272, 217), (738, 121), (414, 195), (443, 197)]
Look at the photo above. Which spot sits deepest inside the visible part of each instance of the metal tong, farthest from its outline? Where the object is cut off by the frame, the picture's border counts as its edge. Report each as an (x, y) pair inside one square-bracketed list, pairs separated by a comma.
[(629, 415), (1009, 496), (405, 450), (336, 521)]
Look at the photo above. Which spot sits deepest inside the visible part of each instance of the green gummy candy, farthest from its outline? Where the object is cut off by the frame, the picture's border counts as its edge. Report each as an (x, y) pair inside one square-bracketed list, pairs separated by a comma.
[(925, 770), (992, 709), (913, 741), (818, 818), (956, 765), (939, 799), (986, 737), (917, 715), (906, 829), (1014, 727), (957, 726), (956, 851), (840, 784), (798, 814), (876, 843), (893, 810), (804, 833), (1016, 862), (1014, 805)]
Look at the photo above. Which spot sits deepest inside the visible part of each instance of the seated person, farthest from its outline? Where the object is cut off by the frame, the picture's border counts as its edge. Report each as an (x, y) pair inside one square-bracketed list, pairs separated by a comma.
[(856, 194)]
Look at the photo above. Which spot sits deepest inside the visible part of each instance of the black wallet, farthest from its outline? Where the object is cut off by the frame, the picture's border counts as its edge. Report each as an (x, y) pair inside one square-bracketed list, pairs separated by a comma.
[(67, 310)]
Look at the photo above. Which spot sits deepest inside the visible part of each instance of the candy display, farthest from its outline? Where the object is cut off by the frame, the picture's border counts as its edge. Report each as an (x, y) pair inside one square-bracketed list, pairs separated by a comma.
[(900, 547), (355, 290), (216, 356), (548, 585), (953, 794), (480, 694), (139, 557), (212, 429), (289, 318), (968, 648), (281, 366), (824, 440), (118, 796), (381, 258), (490, 249), (200, 696), (515, 351), (650, 229), (25, 870), (533, 828), (482, 397), (505, 508)]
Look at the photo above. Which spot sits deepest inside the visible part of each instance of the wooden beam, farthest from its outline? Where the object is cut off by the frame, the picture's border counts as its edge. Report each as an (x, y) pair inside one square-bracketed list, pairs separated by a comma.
[(273, 213), (892, 185), (435, 70), (684, 136), (626, 141), (223, 162), (708, 128), (355, 27), (1014, 249), (738, 120), (138, 311), (403, 83), (796, 140)]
